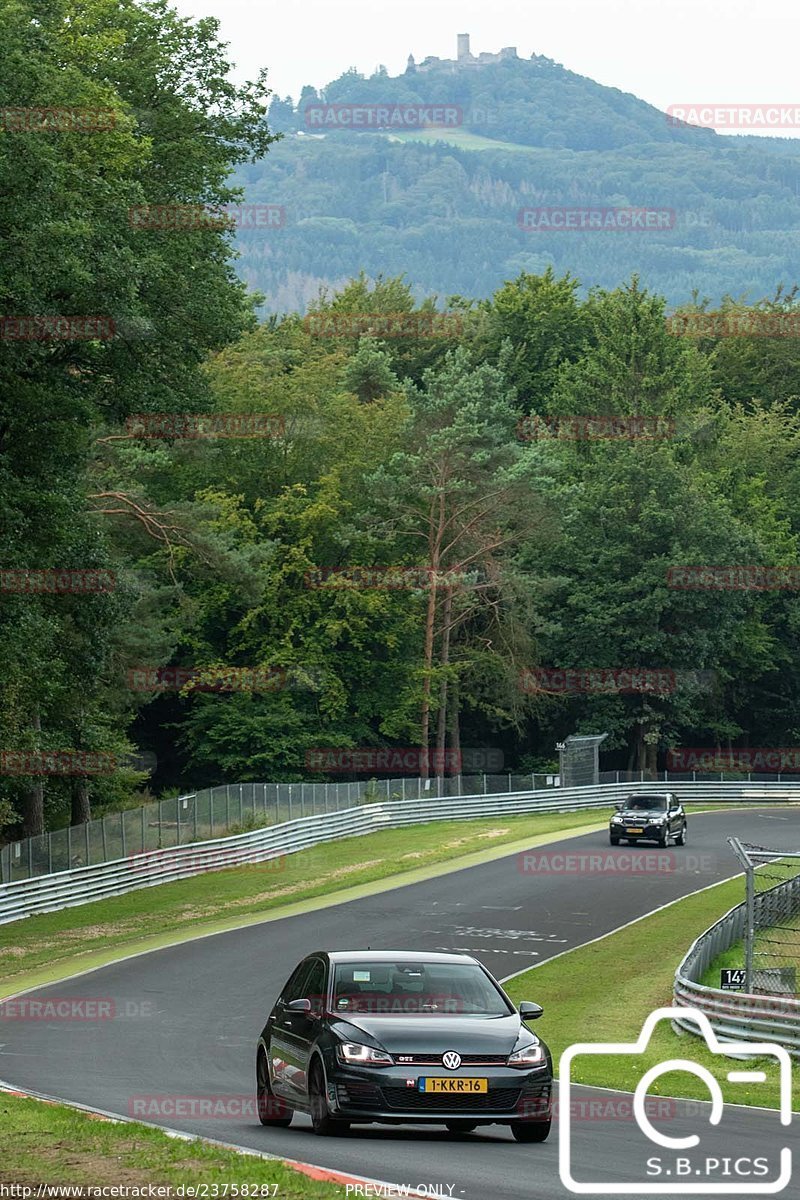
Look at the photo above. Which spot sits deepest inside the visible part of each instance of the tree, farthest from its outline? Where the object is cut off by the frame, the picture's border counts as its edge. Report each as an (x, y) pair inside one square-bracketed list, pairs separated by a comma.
[(455, 490)]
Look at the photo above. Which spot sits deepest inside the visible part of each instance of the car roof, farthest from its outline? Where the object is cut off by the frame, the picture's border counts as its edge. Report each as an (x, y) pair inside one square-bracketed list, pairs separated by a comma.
[(649, 795), (382, 956)]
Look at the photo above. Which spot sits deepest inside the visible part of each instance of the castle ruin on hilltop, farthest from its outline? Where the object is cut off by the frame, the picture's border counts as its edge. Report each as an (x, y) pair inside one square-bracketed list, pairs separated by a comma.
[(463, 58)]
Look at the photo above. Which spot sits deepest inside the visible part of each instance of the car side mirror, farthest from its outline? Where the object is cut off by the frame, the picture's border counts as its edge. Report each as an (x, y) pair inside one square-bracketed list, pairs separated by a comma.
[(529, 1011), (299, 1006), (619, 806)]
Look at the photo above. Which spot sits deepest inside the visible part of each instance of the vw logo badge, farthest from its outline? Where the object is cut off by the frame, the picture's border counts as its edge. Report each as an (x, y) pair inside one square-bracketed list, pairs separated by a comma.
[(451, 1060)]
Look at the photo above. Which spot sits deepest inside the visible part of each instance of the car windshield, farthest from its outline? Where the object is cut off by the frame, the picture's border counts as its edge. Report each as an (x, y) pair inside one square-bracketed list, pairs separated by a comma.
[(648, 803), (406, 988)]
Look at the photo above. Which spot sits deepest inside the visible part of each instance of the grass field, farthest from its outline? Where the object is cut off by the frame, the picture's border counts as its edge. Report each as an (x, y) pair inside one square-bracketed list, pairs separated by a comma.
[(50, 1143), (48, 947)]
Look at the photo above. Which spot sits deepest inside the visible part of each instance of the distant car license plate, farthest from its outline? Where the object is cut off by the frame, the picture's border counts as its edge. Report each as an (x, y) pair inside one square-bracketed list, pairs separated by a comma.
[(632, 830), (459, 1084)]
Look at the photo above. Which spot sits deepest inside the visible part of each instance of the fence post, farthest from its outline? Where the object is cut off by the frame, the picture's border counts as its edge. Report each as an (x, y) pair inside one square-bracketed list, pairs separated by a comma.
[(194, 806), (69, 847), (177, 820), (749, 932), (144, 831), (241, 810), (227, 807), (30, 858), (122, 834), (86, 832), (50, 854), (290, 802), (211, 811)]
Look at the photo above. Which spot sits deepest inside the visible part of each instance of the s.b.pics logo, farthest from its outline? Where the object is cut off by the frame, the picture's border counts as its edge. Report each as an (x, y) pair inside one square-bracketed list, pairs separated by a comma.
[(722, 1158)]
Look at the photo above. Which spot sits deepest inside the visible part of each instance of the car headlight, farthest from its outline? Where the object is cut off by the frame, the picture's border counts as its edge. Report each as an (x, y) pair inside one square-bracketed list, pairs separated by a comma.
[(657, 820), (528, 1056), (356, 1055), (616, 820)]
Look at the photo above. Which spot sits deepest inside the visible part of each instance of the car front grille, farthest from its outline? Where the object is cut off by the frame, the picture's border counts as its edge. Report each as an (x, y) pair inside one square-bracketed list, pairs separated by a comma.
[(435, 1060), (412, 1100)]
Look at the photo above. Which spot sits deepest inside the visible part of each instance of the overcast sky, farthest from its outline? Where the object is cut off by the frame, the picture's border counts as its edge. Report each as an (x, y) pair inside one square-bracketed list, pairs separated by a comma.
[(710, 51)]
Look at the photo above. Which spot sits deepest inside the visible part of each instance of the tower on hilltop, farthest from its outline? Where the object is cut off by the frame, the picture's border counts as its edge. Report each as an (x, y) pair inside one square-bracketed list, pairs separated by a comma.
[(463, 46)]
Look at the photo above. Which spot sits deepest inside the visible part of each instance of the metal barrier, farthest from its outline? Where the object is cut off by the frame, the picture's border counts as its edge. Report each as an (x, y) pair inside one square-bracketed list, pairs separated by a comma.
[(738, 1016), (232, 807), (84, 884), (228, 808)]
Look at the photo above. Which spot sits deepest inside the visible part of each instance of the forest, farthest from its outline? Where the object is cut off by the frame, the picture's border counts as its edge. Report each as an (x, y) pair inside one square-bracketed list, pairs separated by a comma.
[(246, 547)]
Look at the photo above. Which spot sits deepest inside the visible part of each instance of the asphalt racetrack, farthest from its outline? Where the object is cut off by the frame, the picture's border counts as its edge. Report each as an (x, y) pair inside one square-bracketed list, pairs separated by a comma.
[(188, 1016)]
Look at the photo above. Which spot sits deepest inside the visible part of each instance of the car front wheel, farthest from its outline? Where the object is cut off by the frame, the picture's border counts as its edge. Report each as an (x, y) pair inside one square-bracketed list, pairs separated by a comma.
[(530, 1131), (680, 840), (323, 1123)]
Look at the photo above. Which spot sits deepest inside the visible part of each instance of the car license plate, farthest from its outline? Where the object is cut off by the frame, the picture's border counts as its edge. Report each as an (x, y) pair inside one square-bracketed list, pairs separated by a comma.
[(462, 1084), (632, 830)]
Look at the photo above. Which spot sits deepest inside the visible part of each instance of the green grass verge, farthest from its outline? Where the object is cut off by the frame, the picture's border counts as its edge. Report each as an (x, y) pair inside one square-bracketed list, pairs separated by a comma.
[(603, 992), (44, 948), (50, 1143)]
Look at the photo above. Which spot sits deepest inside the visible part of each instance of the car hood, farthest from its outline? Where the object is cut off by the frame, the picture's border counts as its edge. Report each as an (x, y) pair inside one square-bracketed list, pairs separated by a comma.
[(435, 1035), (641, 813)]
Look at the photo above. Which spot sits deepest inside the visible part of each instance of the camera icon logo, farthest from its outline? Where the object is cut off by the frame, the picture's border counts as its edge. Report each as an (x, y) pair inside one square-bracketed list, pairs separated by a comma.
[(682, 1167)]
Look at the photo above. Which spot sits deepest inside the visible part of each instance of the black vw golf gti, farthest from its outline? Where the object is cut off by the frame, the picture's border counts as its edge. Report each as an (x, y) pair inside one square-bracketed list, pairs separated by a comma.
[(396, 1037)]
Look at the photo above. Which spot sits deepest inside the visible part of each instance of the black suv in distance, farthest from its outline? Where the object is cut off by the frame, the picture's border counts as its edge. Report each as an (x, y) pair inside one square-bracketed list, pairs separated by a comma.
[(396, 1037), (649, 816)]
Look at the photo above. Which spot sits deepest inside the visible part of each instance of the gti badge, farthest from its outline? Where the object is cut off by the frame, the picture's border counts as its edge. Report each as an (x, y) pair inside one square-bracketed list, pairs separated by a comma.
[(451, 1060)]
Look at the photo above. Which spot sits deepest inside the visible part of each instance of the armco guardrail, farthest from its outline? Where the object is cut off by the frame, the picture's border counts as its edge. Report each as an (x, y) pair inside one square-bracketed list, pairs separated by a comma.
[(83, 884), (736, 1016), (228, 808)]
